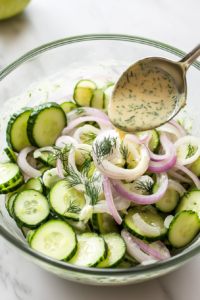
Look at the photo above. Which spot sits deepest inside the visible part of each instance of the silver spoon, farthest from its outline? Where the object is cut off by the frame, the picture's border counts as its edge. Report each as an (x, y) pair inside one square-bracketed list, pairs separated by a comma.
[(123, 101)]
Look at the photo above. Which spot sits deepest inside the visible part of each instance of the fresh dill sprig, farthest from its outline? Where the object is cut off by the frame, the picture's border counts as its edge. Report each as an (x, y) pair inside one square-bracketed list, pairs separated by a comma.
[(74, 209), (103, 148), (191, 151), (73, 178), (61, 153), (91, 136), (86, 167), (80, 111), (144, 186), (123, 149), (92, 190)]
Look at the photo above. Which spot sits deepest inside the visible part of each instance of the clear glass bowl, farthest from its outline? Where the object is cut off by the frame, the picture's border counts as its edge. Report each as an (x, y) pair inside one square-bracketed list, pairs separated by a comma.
[(44, 74)]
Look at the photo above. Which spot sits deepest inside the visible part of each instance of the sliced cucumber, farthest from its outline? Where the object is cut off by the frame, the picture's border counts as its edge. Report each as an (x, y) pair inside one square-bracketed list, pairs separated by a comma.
[(43, 169), (192, 188), (15, 187), (34, 184), (83, 92), (104, 223), (190, 201), (9, 174), (106, 96), (11, 155), (66, 202), (29, 235), (45, 124), (44, 159), (154, 141), (183, 228), (10, 204), (68, 106), (83, 153), (168, 202), (16, 132), (195, 168), (97, 99), (30, 209), (151, 217), (127, 263), (91, 250), (50, 177), (116, 250), (56, 239)]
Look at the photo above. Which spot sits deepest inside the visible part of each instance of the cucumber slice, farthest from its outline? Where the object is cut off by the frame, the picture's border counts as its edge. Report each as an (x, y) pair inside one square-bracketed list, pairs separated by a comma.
[(43, 169), (195, 168), (9, 174), (29, 235), (15, 188), (68, 106), (97, 99), (190, 201), (154, 141), (192, 188), (34, 184), (30, 209), (44, 159), (168, 202), (150, 216), (83, 92), (56, 239), (91, 250), (127, 263), (116, 250), (66, 202), (106, 96), (183, 228), (45, 124), (50, 177), (11, 155), (10, 204), (16, 132), (104, 223)]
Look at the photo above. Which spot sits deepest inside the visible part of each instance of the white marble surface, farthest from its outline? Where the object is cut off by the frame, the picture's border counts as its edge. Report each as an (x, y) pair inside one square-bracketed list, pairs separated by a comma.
[(169, 21)]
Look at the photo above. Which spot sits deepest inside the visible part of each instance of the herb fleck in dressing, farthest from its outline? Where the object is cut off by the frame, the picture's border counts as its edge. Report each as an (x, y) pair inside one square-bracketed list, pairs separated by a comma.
[(143, 98)]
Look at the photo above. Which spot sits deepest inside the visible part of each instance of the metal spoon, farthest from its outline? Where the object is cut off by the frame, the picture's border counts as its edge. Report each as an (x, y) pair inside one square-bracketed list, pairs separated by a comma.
[(176, 71)]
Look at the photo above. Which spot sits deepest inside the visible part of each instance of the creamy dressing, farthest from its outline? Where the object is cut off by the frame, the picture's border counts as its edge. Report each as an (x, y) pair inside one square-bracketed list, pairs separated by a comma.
[(143, 98)]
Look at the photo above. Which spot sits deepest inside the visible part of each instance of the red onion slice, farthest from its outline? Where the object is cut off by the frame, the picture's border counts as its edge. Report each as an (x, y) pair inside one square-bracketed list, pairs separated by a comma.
[(23, 164), (167, 127), (162, 181), (177, 187), (179, 177), (190, 174), (163, 166), (112, 171), (188, 140), (109, 200), (85, 111), (179, 127), (103, 123), (62, 141), (166, 146), (134, 245)]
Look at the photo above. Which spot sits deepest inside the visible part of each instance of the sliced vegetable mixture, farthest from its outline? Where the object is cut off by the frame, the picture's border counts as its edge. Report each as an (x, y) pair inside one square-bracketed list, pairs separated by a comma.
[(84, 192)]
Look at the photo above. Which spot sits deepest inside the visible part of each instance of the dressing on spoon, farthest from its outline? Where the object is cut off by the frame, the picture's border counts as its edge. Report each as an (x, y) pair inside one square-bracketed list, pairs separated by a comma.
[(150, 93)]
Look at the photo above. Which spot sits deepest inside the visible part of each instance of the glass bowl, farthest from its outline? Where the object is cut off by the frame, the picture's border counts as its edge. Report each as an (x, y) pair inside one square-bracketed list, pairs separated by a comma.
[(45, 74)]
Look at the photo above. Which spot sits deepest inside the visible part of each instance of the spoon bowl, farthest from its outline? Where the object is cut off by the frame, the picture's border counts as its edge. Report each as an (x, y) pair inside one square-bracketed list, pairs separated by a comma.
[(150, 93)]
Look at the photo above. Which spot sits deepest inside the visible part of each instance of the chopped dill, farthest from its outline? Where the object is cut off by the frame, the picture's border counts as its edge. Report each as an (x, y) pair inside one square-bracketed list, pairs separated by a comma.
[(191, 151), (91, 136), (124, 153), (144, 186), (86, 167), (74, 209), (61, 153), (73, 178), (103, 148), (92, 190), (80, 111)]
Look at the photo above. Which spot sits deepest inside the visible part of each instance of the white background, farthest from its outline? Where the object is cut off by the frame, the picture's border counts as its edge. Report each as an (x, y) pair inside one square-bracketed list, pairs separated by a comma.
[(170, 21)]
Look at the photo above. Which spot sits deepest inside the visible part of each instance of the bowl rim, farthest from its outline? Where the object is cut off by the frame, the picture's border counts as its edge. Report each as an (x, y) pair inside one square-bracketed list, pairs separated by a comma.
[(28, 251)]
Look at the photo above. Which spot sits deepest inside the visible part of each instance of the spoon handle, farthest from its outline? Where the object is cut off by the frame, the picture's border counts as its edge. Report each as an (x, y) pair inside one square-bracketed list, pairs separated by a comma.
[(190, 57)]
